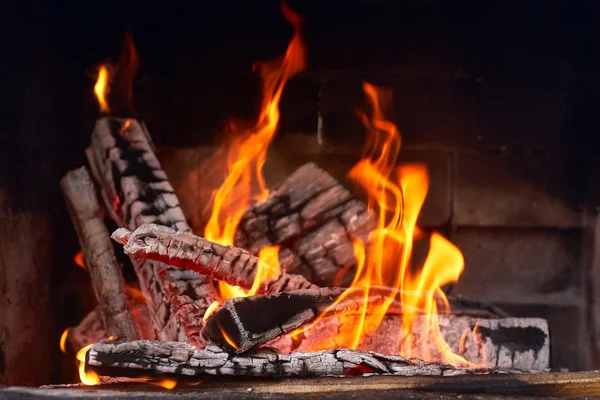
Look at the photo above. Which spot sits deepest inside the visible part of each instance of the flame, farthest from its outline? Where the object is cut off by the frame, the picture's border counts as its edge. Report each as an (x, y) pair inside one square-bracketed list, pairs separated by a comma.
[(87, 378), (101, 88), (211, 310), (63, 340), (114, 83), (245, 156), (227, 338), (135, 295), (78, 259), (165, 383), (396, 194)]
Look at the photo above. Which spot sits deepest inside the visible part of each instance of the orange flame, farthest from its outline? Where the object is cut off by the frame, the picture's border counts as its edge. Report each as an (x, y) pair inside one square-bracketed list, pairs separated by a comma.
[(78, 259), (63, 340), (135, 295), (114, 84), (396, 195), (246, 154), (87, 378), (210, 310), (101, 88), (227, 338)]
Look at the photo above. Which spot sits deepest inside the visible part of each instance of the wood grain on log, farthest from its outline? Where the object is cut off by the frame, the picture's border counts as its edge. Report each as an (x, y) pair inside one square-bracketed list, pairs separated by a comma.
[(94, 238), (141, 358), (229, 264), (521, 343), (255, 320), (135, 190), (314, 218)]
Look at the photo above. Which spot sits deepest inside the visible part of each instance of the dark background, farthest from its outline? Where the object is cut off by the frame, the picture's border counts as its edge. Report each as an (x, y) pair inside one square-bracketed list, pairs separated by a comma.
[(517, 79)]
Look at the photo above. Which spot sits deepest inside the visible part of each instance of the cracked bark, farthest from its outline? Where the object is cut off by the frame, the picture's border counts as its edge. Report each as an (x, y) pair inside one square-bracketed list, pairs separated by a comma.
[(94, 238), (141, 358), (314, 219), (255, 320), (229, 264), (135, 190)]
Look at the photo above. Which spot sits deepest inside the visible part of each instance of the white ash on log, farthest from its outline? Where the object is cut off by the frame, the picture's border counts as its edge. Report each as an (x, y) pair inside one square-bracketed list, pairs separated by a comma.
[(520, 343), (313, 217), (229, 264), (255, 320), (135, 190), (94, 238), (143, 358)]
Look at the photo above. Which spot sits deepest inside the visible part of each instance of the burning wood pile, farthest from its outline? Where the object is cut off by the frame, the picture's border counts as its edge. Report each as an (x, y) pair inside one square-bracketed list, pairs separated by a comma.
[(305, 280)]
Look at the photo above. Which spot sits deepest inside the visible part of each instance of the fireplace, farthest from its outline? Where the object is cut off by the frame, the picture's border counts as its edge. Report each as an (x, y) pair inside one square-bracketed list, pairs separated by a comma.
[(496, 101)]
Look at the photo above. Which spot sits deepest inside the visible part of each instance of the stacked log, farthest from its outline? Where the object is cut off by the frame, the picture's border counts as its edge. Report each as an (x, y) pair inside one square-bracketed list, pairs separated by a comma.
[(135, 190)]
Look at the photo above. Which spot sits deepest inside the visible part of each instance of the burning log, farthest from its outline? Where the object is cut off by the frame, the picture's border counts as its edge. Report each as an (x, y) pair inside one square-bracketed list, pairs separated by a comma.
[(141, 358), (135, 190), (225, 263), (520, 343), (314, 218), (105, 271), (243, 323)]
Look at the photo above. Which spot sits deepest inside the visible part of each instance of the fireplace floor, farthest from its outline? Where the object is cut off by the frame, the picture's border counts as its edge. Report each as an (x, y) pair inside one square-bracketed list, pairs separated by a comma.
[(543, 384)]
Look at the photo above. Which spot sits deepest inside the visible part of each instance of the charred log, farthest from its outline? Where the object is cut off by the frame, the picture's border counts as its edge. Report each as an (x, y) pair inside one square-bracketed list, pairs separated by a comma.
[(255, 320), (230, 264), (143, 358), (135, 190), (521, 343), (314, 218), (94, 238)]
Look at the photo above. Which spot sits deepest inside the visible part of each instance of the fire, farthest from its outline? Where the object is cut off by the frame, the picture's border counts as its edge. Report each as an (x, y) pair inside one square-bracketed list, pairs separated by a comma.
[(78, 259), (396, 194), (245, 156), (114, 83), (101, 88), (63, 340), (87, 378), (211, 310)]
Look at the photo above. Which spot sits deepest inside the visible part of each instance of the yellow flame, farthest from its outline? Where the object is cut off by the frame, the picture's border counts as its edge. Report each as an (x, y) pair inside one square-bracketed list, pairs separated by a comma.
[(101, 88), (396, 195), (244, 157), (87, 378), (211, 310), (63, 340)]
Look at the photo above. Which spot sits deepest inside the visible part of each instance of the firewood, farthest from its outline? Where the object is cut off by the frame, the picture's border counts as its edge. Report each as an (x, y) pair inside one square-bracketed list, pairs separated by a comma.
[(135, 190), (94, 238), (521, 343), (313, 217), (90, 330), (224, 263), (255, 320), (143, 358)]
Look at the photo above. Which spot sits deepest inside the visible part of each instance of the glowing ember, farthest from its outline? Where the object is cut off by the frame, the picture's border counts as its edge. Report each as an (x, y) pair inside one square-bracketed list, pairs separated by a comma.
[(102, 87), (396, 195), (78, 259), (165, 383), (245, 156), (135, 295), (87, 378)]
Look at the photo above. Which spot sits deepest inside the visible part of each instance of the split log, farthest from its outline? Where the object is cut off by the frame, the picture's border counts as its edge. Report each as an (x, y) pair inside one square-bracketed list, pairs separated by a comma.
[(314, 218), (255, 320), (229, 264), (520, 343), (143, 358), (94, 238), (135, 190)]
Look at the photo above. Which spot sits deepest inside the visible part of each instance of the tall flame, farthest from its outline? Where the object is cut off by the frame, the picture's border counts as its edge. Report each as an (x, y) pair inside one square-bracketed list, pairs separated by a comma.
[(396, 194), (114, 84), (101, 88), (246, 154)]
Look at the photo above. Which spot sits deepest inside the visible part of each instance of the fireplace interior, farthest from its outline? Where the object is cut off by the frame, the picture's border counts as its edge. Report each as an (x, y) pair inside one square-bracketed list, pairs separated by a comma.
[(497, 100)]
